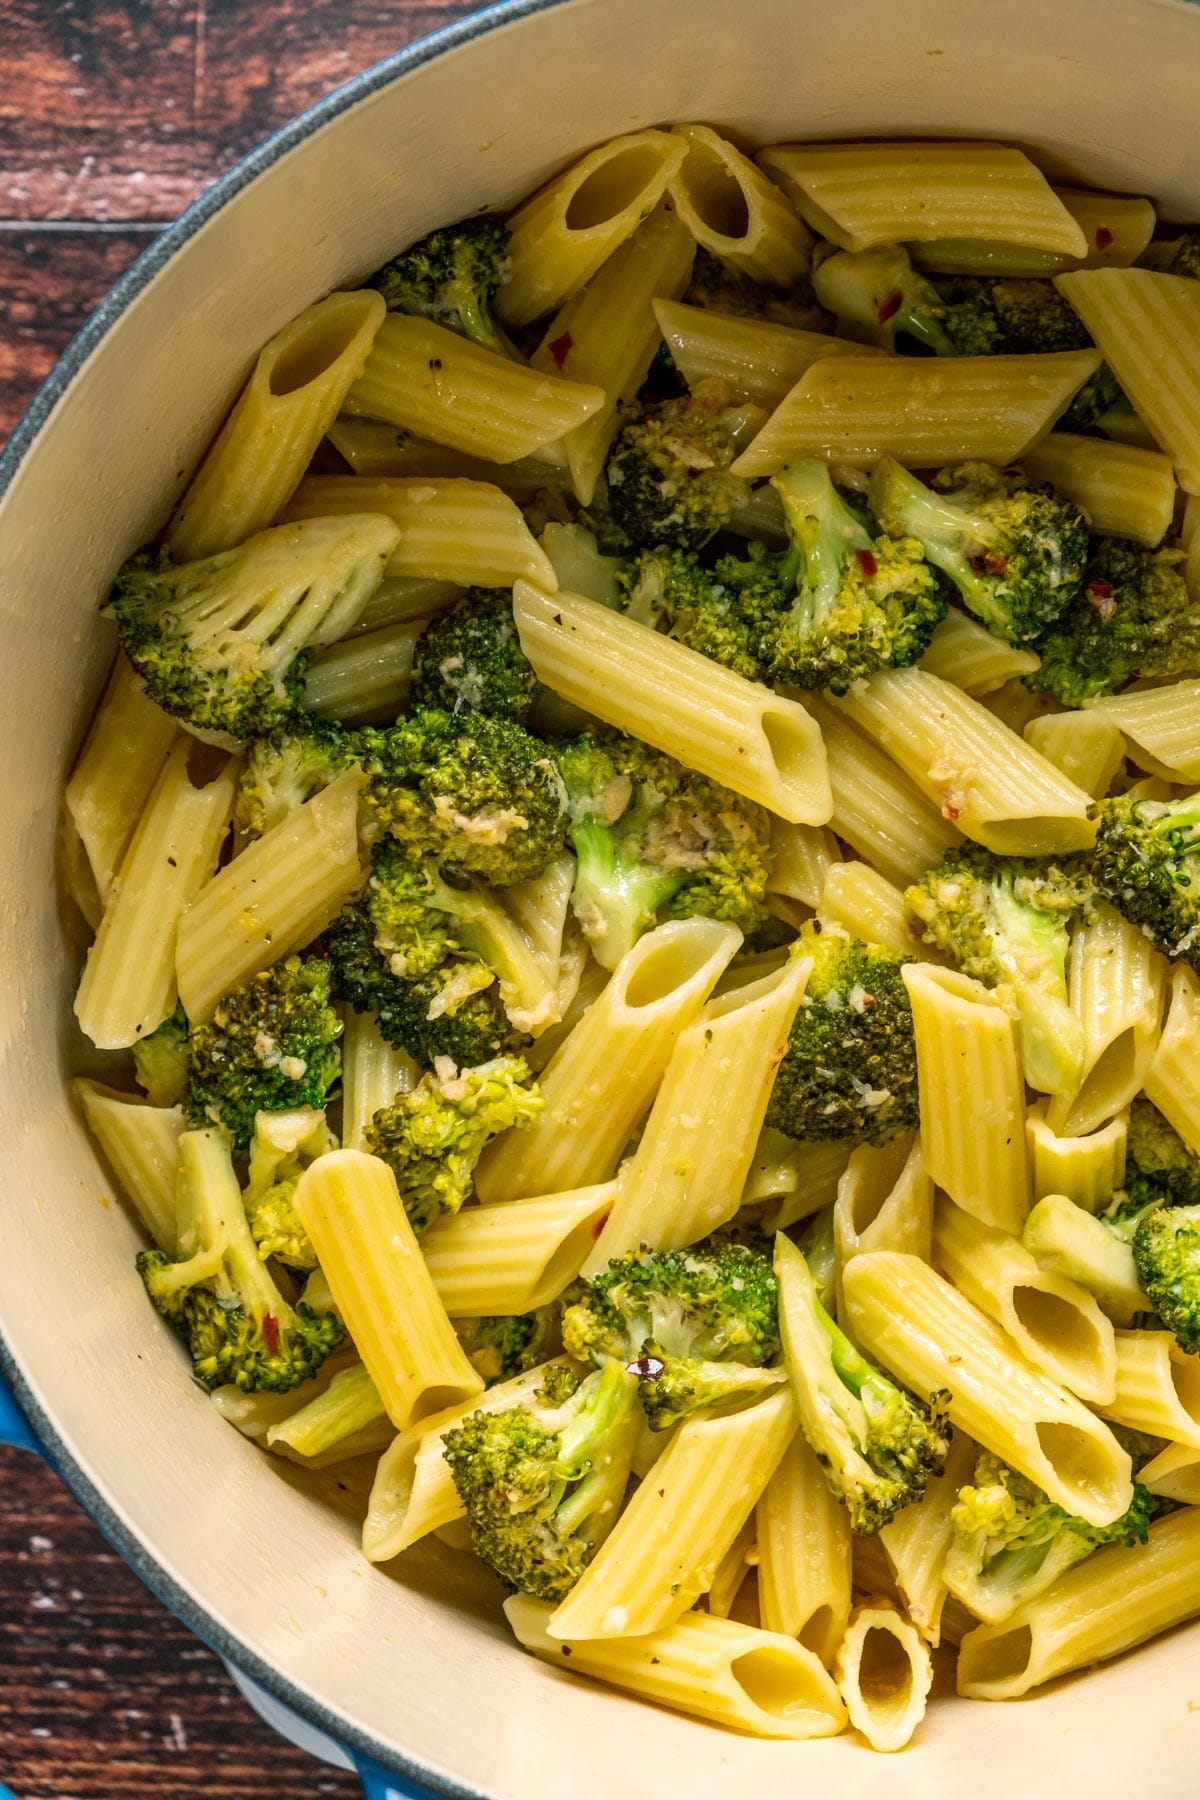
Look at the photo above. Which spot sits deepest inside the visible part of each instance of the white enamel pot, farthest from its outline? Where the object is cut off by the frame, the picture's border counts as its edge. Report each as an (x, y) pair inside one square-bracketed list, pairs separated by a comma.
[(412, 1667)]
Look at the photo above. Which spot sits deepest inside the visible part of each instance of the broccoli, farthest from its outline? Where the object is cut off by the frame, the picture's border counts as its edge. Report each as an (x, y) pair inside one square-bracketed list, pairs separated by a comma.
[(878, 1445), (507, 1345), (850, 1068), (223, 643), (698, 1327), (1004, 920), (286, 767), (877, 296), (1175, 256), (219, 1296), (668, 474), (718, 287), (985, 316), (1147, 862), (1133, 619), (860, 603), (1011, 1542), (283, 1146), (346, 1418), (432, 1138), (160, 1060), (276, 1228), (473, 794), (1166, 1254), (540, 1496), (451, 277), (1159, 1167), (727, 613), (470, 660), (648, 833), (1015, 553), (270, 1045)]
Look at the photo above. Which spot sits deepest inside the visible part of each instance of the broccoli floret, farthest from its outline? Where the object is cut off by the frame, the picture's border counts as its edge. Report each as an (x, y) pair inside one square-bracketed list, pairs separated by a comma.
[(648, 833), (1004, 920), (432, 1138), (1133, 619), (860, 603), (668, 474), (1100, 395), (1147, 862), (276, 1228), (878, 1445), (1180, 256), (470, 660), (476, 795), (508, 1344), (160, 1060), (1011, 1542), (541, 1496), (451, 277), (270, 1045), (850, 1068), (223, 643), (726, 613), (1009, 317), (1015, 552), (1166, 1254), (876, 296), (219, 1296), (718, 287), (287, 767), (698, 1327), (1159, 1167)]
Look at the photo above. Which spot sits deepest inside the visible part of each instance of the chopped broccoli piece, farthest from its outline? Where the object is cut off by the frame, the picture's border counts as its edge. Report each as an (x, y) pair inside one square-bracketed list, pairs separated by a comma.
[(432, 1138), (876, 296), (1133, 619), (1092, 1250), (287, 767), (668, 474), (1007, 317), (223, 643), (451, 277), (160, 1060), (1166, 1254), (283, 1146), (276, 1228), (1004, 920), (1015, 552), (1159, 1167), (470, 660), (507, 1345), (338, 1419), (850, 1068), (1175, 256), (728, 612), (1096, 399), (649, 833), (718, 287), (878, 1445), (1147, 862), (698, 1327), (541, 1496)]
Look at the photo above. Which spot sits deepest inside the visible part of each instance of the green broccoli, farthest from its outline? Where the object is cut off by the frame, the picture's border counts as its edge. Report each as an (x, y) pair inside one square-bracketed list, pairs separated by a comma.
[(1090, 1249), (1002, 316), (850, 1068), (219, 1296), (1159, 1167), (286, 767), (451, 276), (349, 1418), (223, 643), (727, 613), (270, 1045), (1011, 1542), (1175, 256), (470, 660), (698, 1327), (718, 287), (1016, 553), (1134, 619), (541, 1494), (507, 1345), (432, 1138), (1166, 1254), (877, 296), (472, 794), (1004, 921), (878, 1445), (160, 1060), (283, 1146), (668, 474), (648, 833), (1147, 862)]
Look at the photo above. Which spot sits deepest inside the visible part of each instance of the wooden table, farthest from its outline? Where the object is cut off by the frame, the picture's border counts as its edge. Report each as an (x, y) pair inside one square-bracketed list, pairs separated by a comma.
[(113, 115)]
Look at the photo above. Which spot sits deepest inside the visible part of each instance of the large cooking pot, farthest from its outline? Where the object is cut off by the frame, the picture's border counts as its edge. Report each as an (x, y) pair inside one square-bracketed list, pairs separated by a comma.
[(413, 1666)]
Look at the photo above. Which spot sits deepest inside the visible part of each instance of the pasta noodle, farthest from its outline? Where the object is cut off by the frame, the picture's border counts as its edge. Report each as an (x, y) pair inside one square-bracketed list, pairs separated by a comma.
[(758, 360), (917, 1539), (803, 1538), (1123, 490), (884, 1202), (1087, 1169), (1158, 1387), (141, 1146), (364, 680), (1174, 1474), (884, 1675), (801, 858), (964, 652), (809, 1183), (1173, 1078), (1160, 724), (373, 448), (731, 209), (510, 1258), (1117, 229), (118, 766), (374, 1072), (1116, 985), (864, 903), (1088, 748)]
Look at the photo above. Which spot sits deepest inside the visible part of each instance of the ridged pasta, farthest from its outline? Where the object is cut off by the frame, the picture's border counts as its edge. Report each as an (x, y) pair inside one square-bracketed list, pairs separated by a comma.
[(757, 359)]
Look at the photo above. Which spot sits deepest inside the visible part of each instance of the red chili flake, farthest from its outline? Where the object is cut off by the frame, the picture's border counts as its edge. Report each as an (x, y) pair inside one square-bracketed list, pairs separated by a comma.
[(646, 1368), (271, 1332), (1100, 597), (887, 309), (867, 563), (951, 812), (560, 348), (1104, 237), (567, 1650), (994, 563)]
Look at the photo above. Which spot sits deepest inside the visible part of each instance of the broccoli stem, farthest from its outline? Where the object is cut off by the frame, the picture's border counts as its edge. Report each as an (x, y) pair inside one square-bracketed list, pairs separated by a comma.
[(1034, 949), (824, 532), (595, 1450), (621, 895), (210, 1204), (350, 1403), (943, 530)]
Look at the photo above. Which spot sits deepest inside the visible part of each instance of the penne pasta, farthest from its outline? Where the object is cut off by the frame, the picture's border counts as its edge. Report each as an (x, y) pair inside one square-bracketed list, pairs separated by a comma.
[(1124, 491), (757, 359), (801, 858), (402, 600), (884, 1675), (864, 903), (374, 1072), (373, 448), (1173, 1078), (734, 1569), (964, 652), (806, 1178), (803, 1536), (127, 745), (1066, 1238), (884, 1202), (732, 210), (1088, 748), (1160, 724), (1158, 1387), (1116, 982), (140, 1144), (917, 1539), (1116, 227), (364, 680), (1174, 1474), (513, 1257), (1087, 1169)]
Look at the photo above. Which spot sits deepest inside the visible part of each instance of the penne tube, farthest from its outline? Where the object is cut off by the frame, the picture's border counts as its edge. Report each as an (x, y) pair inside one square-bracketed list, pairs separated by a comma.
[(1174, 1474), (863, 902), (665, 1548), (1116, 982), (404, 600), (127, 745), (809, 1185), (982, 775), (917, 1539), (364, 680), (350, 1207), (79, 883), (735, 731), (430, 380), (1088, 1169), (735, 1566), (599, 1083), (924, 410), (1145, 323), (760, 516), (1088, 748), (374, 1072), (1160, 724), (374, 449), (1173, 1078), (803, 1538), (964, 652), (279, 894), (128, 984), (968, 1067), (884, 1202), (801, 858), (756, 359), (1158, 1387), (1124, 491), (884, 1675), (466, 532), (1053, 1321), (513, 1257), (1065, 1238), (1117, 228), (291, 399), (910, 1320), (687, 1175), (753, 1681), (140, 1144), (567, 230), (732, 210), (607, 334), (1119, 1597)]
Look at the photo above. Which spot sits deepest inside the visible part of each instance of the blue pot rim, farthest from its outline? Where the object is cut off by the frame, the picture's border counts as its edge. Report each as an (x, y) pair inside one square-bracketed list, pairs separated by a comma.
[(147, 266)]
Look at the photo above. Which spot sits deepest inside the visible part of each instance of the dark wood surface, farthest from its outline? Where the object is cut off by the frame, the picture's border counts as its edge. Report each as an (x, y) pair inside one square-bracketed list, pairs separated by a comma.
[(113, 115)]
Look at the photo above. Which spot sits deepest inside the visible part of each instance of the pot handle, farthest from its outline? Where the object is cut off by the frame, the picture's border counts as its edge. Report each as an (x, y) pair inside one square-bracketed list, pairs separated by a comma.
[(15, 1430), (379, 1785)]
